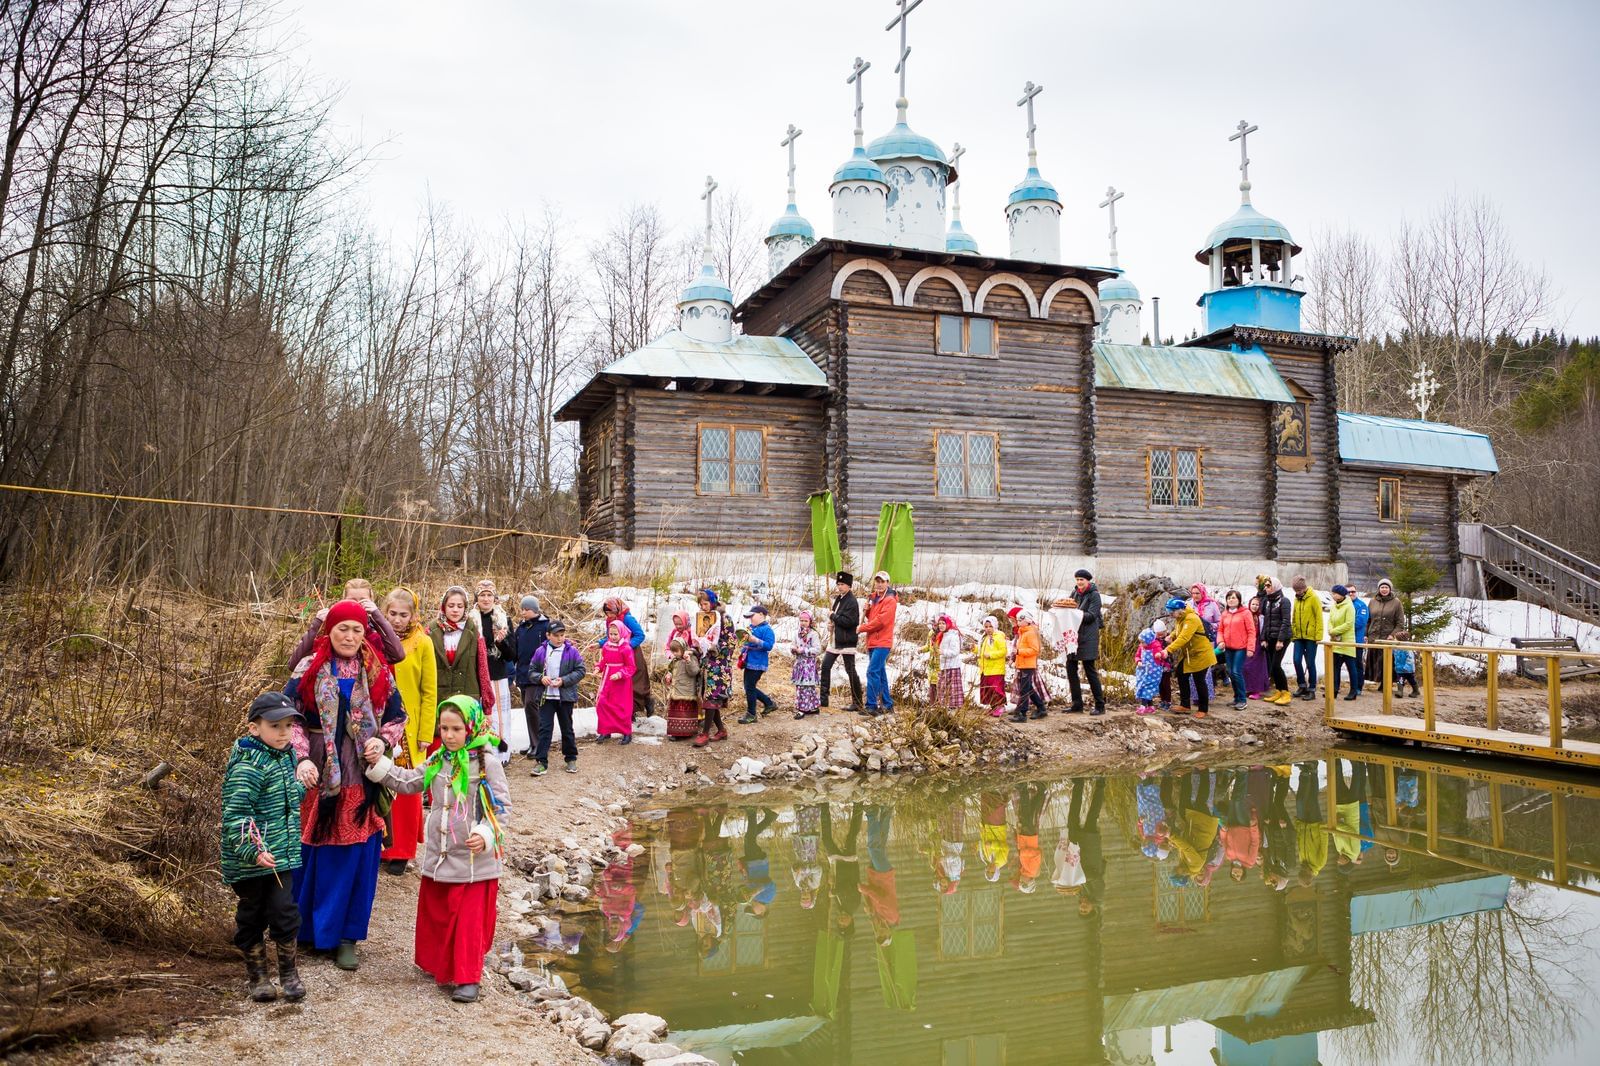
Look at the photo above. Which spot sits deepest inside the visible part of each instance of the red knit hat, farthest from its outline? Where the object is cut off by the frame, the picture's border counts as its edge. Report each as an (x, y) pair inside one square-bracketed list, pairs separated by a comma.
[(344, 611)]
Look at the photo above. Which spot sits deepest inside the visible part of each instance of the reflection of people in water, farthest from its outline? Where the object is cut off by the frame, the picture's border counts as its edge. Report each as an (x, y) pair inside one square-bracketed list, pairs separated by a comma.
[(1241, 830), (618, 902), (1088, 883), (1195, 836), (719, 888), (1280, 855), (994, 846), (759, 888), (879, 895), (1351, 793), (1153, 828), (844, 867), (683, 863), (1030, 798), (950, 862), (1310, 835), (805, 846)]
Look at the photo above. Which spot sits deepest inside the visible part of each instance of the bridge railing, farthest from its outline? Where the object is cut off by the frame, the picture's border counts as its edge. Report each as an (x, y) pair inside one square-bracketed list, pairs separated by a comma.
[(1425, 656)]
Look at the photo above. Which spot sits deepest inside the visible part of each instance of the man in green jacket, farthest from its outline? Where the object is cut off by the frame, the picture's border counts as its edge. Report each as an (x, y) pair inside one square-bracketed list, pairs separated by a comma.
[(1306, 629), (261, 844)]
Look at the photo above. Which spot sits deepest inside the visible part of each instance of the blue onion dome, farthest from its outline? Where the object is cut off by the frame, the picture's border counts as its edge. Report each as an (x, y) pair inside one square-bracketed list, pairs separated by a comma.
[(959, 240), (791, 224), (1246, 224), (859, 168), (1118, 288), (707, 287), (902, 142), (1033, 187)]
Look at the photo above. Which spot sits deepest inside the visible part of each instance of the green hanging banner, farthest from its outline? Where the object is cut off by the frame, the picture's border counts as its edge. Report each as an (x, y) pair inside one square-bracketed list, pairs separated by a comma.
[(825, 534), (896, 542)]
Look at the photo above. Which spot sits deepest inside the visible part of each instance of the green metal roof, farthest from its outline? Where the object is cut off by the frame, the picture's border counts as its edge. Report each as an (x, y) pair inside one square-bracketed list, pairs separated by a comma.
[(758, 360), (1189, 371), (1406, 442)]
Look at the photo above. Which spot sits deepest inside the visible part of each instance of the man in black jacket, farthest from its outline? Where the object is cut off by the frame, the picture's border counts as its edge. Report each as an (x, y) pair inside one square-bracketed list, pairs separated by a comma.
[(1277, 618), (1088, 598), (844, 617)]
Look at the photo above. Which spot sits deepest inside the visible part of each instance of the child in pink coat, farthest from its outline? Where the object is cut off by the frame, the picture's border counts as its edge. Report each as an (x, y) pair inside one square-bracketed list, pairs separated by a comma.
[(614, 705)]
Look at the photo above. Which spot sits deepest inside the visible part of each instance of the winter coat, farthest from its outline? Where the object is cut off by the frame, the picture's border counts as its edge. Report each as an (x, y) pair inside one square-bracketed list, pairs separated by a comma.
[(502, 652), (879, 626), (761, 641), (259, 789), (1363, 613), (684, 677), (451, 820), (570, 665), (1027, 646), (417, 678), (1402, 661), (1238, 630), (1089, 628), (1276, 617), (1188, 647), (950, 650), (1150, 662), (1385, 617), (844, 618), (526, 640), (1342, 627), (635, 631), (1308, 616), (469, 675), (992, 655)]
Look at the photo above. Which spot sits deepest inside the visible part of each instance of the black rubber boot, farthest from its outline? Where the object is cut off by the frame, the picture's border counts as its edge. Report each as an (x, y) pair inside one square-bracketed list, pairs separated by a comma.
[(255, 968), (294, 989)]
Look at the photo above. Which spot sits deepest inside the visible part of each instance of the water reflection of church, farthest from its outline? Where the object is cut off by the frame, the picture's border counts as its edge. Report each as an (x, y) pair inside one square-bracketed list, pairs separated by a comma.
[(979, 971)]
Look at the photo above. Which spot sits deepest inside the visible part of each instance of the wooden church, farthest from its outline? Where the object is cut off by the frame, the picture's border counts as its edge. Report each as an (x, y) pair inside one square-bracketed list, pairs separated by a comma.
[(1008, 399)]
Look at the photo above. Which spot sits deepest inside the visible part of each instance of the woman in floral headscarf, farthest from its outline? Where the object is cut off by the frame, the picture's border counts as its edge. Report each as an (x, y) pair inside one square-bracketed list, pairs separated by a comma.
[(714, 633), (463, 844), (351, 710)]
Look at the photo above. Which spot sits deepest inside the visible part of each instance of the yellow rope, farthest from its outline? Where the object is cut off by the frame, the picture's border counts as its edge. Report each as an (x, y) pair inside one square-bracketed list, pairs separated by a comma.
[(496, 530)]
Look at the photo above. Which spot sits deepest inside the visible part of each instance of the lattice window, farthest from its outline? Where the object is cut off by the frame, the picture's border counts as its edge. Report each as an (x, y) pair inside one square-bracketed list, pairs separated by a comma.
[(967, 465), (743, 945), (1179, 908), (971, 924), (1176, 477), (965, 335), (732, 459), (987, 1049)]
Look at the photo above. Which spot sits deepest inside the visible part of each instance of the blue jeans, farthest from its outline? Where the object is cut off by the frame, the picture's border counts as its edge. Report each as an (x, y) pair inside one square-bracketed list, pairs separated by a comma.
[(878, 679), (1236, 658), (1305, 663), (1351, 664)]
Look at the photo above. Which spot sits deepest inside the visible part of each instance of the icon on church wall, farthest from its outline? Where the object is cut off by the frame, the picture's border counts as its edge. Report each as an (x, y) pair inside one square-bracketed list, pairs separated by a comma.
[(1291, 439)]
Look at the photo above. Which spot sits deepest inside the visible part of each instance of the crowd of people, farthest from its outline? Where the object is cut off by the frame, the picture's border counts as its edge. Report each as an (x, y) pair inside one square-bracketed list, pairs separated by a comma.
[(394, 734)]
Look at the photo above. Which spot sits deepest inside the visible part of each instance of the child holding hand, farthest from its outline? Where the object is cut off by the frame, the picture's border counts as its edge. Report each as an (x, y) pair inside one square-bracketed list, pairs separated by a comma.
[(1150, 664), (462, 844), (261, 844)]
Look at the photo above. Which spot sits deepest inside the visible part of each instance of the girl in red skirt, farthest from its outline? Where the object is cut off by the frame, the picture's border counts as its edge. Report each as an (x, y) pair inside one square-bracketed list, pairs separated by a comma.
[(462, 845)]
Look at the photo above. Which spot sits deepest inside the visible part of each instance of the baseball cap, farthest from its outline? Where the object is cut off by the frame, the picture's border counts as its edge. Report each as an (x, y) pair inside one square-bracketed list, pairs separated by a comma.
[(273, 707)]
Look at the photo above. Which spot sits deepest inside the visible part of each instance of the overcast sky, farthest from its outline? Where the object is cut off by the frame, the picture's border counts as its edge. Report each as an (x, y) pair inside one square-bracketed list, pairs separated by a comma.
[(1370, 113)]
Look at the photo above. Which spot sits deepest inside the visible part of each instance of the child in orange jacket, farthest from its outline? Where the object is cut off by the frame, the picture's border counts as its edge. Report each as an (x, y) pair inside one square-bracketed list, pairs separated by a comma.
[(1027, 644)]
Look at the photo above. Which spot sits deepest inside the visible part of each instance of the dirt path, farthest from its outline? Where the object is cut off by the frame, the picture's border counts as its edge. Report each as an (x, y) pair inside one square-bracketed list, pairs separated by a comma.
[(405, 1018)]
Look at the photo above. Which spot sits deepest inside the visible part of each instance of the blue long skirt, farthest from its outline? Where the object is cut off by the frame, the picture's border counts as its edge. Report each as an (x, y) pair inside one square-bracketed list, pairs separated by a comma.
[(334, 889)]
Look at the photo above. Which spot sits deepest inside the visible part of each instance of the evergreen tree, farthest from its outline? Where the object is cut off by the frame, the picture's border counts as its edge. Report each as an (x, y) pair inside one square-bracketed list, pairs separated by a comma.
[(1414, 575)]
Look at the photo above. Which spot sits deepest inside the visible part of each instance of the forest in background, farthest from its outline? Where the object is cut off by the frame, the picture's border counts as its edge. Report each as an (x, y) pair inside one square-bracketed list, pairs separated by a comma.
[(191, 308)]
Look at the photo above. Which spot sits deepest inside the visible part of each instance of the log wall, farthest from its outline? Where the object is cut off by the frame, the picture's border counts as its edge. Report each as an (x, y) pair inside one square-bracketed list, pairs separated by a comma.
[(598, 516), (1306, 500), (1426, 503)]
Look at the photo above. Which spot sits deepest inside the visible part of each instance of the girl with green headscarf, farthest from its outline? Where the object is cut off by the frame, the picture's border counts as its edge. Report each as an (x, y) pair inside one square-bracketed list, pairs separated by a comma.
[(463, 844)]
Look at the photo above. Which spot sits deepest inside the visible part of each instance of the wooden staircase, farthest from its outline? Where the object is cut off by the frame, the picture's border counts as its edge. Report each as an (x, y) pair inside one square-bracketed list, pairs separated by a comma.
[(1542, 572)]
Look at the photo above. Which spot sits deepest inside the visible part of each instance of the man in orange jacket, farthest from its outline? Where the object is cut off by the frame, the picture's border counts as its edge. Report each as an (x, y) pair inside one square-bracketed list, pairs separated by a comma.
[(878, 629)]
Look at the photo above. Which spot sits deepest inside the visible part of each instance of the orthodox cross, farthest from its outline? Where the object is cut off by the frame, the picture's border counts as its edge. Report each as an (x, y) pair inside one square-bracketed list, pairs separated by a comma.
[(1112, 196), (1029, 91), (1244, 130), (711, 187), (1423, 386), (788, 142), (856, 71), (906, 7), (955, 189)]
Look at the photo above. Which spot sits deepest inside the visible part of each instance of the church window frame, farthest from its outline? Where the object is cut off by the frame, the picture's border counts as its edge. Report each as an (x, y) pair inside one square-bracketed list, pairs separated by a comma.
[(1388, 499), (603, 461), (730, 453), (965, 477), (945, 323), (1174, 479)]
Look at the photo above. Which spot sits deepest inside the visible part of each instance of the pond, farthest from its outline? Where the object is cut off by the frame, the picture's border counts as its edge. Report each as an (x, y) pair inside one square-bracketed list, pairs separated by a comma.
[(1369, 906)]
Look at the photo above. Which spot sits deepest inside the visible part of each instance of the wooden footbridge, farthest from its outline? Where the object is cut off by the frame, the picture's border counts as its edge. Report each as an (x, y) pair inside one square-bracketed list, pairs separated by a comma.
[(1482, 731)]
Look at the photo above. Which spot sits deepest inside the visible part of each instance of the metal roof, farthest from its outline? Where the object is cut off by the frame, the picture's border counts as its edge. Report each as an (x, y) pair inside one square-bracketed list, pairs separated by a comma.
[(903, 142), (1246, 224), (1406, 442), (1189, 371), (791, 224), (1033, 187), (1119, 288), (958, 240), (858, 168), (707, 286)]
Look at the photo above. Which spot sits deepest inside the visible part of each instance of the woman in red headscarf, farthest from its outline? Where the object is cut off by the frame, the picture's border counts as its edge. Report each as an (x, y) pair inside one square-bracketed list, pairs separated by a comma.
[(350, 706)]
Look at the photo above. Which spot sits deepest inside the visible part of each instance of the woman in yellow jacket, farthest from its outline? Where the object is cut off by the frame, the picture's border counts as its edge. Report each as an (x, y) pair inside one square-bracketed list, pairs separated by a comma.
[(416, 679), (1190, 652), (992, 668), (1342, 631)]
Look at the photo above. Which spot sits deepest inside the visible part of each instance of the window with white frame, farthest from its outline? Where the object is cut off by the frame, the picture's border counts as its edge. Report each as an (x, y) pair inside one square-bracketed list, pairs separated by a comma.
[(966, 464)]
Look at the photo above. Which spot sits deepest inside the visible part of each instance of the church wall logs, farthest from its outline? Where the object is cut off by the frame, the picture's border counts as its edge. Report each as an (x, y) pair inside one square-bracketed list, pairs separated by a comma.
[(1425, 503), (1231, 521), (597, 515), (667, 509), (1304, 497)]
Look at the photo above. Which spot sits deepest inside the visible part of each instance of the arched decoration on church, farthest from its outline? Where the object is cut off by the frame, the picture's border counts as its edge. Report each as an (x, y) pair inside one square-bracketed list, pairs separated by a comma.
[(1075, 284), (837, 291), (944, 273), (995, 280)]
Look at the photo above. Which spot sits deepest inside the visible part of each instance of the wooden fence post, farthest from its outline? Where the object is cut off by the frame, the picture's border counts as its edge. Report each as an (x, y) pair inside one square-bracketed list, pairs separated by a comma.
[(1553, 669), (1494, 690)]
